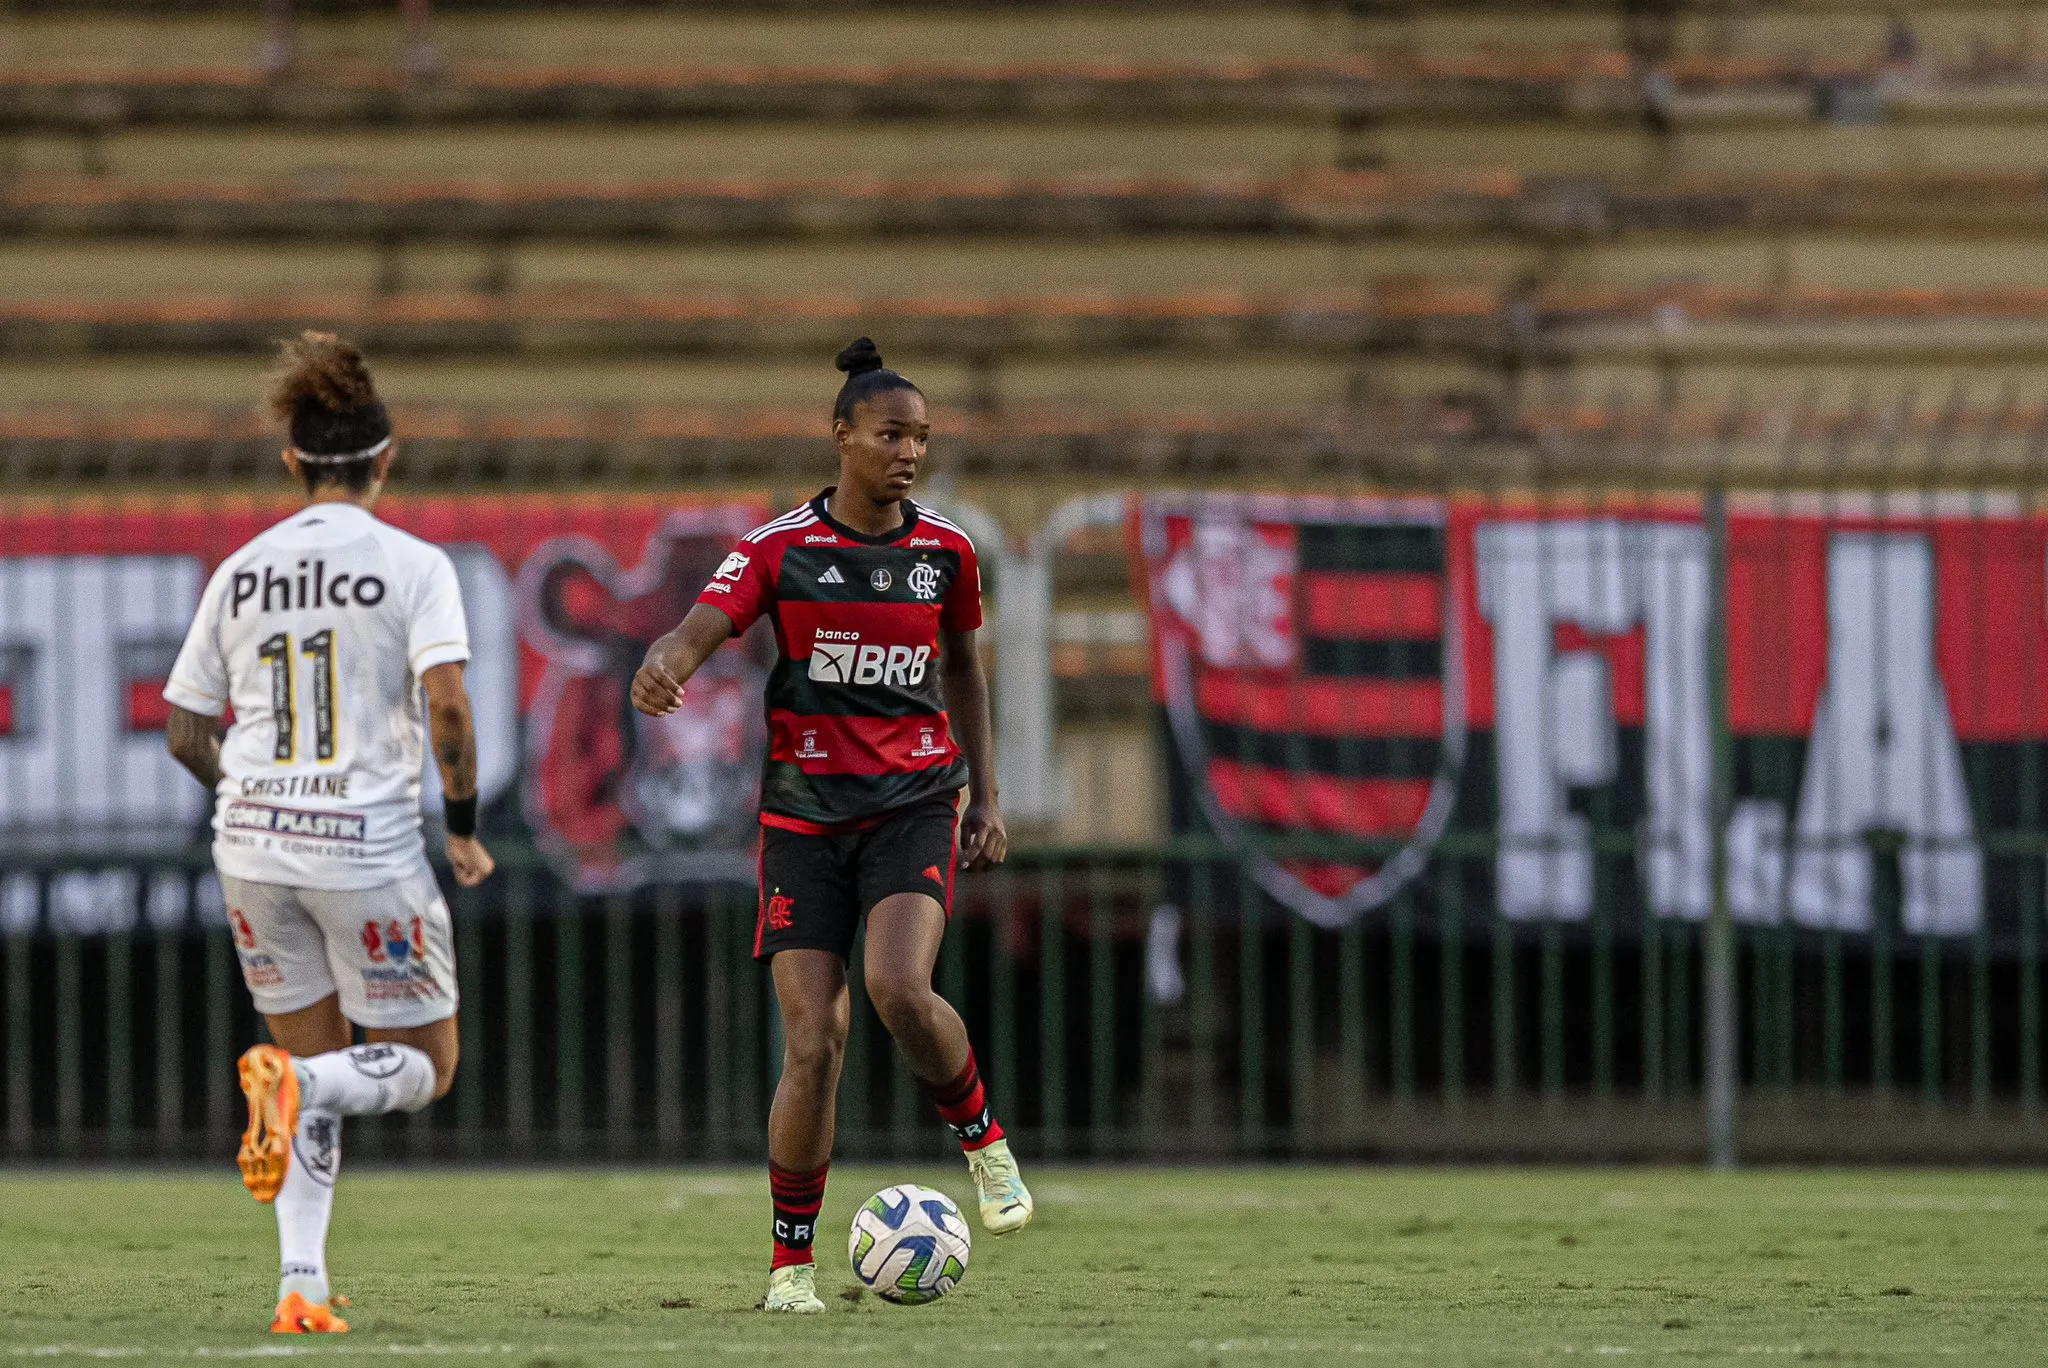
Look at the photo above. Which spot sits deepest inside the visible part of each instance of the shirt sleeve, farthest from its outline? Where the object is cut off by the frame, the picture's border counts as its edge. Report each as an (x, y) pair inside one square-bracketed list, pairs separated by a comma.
[(439, 634), (741, 588), (962, 610), (199, 678)]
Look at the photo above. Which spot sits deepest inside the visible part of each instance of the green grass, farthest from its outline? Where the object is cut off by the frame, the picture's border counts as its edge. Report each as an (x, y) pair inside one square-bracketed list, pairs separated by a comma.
[(1137, 1266)]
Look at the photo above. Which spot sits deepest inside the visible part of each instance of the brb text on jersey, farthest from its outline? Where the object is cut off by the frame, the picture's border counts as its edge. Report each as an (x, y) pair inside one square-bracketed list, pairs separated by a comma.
[(856, 717)]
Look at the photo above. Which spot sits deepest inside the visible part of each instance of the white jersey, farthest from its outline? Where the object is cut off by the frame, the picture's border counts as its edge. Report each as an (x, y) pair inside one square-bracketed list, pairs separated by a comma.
[(317, 633)]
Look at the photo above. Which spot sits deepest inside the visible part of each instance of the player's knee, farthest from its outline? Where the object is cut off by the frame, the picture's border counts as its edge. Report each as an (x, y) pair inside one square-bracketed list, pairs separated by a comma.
[(900, 999), (813, 1042), (814, 1055)]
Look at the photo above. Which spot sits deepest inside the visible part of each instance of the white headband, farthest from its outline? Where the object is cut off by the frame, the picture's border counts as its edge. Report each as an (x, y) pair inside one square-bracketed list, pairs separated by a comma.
[(342, 457)]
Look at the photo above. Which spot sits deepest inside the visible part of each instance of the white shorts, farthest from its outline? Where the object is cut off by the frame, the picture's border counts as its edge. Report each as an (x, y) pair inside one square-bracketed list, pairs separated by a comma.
[(389, 952)]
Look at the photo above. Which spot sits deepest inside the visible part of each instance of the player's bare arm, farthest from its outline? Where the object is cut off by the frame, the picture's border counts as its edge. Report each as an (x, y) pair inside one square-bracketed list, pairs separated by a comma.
[(194, 740), (983, 839), (453, 730), (672, 659)]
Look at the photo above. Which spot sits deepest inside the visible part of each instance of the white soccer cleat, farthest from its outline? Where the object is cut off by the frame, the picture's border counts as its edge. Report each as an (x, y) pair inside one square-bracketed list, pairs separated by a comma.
[(1005, 1202), (793, 1289)]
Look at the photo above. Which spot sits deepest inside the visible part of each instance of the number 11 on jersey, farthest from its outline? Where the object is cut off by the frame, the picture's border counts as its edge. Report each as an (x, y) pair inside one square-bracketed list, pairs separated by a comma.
[(277, 653)]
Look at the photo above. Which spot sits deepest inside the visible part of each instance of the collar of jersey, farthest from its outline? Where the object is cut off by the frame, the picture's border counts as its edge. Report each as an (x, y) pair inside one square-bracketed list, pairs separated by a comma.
[(334, 511), (818, 506)]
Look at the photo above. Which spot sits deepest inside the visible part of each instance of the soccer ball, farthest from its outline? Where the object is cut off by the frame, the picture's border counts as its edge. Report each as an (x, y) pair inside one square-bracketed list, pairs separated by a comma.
[(909, 1244)]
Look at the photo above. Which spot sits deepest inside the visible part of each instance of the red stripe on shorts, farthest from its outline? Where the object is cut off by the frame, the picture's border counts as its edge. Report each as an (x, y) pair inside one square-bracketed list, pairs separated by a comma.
[(760, 891)]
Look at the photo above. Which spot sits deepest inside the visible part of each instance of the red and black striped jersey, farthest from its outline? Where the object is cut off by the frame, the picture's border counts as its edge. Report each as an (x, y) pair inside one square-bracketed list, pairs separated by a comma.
[(856, 719)]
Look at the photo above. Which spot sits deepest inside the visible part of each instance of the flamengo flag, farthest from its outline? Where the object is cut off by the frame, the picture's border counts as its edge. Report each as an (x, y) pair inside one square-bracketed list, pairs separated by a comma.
[(1536, 673), (1308, 662)]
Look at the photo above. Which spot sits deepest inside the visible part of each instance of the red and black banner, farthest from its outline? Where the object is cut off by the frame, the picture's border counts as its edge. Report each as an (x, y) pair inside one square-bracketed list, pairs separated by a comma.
[(1380, 672), (563, 595)]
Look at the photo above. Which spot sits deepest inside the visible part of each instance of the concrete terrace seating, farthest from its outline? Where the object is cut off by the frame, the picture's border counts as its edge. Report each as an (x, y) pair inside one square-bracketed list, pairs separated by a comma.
[(1414, 318), (1588, 85), (1807, 447), (1329, 245), (1118, 210), (1322, 203)]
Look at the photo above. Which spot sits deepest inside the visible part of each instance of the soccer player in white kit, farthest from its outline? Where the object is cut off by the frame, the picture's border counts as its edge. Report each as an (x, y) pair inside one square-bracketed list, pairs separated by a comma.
[(321, 635)]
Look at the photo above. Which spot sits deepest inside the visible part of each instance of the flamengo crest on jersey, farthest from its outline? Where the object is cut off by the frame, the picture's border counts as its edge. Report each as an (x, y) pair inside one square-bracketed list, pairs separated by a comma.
[(856, 714), (316, 634)]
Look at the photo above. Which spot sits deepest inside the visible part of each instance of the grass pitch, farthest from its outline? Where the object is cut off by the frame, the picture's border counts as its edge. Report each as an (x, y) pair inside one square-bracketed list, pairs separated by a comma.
[(1123, 1266)]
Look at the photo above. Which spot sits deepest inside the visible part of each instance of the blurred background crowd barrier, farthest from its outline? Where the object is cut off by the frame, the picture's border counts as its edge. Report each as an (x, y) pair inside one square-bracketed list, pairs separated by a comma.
[(1467, 490), (1372, 817)]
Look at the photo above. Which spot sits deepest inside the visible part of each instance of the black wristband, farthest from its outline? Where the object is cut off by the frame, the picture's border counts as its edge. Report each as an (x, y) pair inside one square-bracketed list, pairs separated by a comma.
[(461, 815)]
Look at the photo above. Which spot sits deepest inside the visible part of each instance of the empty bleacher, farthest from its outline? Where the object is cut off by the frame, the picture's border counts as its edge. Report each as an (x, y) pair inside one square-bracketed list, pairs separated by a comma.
[(1125, 210), (1224, 241)]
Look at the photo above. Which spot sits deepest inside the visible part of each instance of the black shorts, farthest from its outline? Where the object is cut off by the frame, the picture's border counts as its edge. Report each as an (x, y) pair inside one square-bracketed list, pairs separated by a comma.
[(816, 888)]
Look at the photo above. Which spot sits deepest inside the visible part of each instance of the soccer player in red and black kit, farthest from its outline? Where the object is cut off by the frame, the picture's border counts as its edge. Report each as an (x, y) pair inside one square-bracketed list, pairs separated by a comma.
[(875, 602)]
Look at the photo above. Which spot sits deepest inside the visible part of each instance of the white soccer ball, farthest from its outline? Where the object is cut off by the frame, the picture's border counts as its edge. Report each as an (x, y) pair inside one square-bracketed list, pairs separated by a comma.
[(909, 1245)]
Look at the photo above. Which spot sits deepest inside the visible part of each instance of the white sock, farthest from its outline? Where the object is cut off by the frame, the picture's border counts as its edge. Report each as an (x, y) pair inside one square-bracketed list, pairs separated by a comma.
[(305, 1202), (366, 1080)]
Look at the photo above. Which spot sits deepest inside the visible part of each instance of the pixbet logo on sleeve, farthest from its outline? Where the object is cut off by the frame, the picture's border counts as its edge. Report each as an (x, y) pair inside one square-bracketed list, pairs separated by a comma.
[(849, 662)]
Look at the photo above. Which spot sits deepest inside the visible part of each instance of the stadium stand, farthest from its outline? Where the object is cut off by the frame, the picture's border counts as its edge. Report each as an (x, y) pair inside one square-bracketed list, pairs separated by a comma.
[(1112, 239), (1339, 202)]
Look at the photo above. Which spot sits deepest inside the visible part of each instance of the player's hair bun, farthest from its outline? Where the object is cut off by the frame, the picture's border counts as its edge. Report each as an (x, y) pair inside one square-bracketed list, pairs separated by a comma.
[(322, 369), (866, 377), (860, 357), (324, 394)]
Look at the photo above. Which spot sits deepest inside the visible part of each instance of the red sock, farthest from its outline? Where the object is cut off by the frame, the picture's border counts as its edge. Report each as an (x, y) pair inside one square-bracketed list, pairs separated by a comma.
[(963, 1105), (797, 1197)]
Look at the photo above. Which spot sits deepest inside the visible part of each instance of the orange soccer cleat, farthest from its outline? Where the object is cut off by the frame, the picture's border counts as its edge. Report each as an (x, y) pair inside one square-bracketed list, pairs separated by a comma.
[(273, 1092), (297, 1316)]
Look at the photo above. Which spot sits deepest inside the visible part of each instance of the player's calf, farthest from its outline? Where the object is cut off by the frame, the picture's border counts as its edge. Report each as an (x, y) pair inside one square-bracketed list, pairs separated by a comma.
[(368, 1080)]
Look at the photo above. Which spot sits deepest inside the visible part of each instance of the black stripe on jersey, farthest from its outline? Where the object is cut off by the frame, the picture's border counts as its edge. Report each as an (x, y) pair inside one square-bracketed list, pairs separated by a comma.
[(1352, 757), (1398, 658), (1401, 548), (829, 799), (804, 574), (791, 688)]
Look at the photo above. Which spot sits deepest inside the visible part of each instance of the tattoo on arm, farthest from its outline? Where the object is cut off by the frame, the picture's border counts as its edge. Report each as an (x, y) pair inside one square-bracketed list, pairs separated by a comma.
[(456, 755), (452, 729), (457, 762), (194, 742)]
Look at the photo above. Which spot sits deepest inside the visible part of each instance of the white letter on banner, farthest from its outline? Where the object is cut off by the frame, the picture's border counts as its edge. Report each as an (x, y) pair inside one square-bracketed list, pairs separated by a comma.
[(76, 632), (1555, 713), (1883, 756), (1554, 727)]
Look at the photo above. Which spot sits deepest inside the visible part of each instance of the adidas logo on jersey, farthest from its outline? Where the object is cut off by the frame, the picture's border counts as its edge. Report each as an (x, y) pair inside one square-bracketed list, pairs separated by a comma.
[(832, 576)]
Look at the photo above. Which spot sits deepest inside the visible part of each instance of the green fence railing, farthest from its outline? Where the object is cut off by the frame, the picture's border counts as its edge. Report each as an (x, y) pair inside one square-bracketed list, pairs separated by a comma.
[(636, 1027)]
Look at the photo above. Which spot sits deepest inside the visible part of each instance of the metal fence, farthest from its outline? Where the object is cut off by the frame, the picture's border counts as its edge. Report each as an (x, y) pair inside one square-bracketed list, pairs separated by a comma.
[(1411, 806)]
